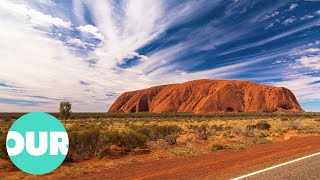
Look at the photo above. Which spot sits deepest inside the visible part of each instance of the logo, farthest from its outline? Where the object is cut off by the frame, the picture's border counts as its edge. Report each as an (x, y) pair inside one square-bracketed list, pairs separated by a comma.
[(37, 143)]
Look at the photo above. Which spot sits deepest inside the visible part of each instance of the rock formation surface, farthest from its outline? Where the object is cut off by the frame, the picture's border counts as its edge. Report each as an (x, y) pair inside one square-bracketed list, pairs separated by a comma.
[(208, 96)]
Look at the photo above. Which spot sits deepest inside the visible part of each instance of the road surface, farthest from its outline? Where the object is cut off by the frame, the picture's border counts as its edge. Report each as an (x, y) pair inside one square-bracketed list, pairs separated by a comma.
[(307, 168)]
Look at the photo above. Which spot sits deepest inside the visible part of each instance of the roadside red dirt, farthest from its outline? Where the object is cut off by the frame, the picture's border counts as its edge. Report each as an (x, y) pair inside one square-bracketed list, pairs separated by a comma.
[(216, 165)]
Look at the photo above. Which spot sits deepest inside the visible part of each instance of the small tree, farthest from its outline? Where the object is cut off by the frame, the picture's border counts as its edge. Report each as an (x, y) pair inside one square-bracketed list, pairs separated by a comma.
[(65, 111)]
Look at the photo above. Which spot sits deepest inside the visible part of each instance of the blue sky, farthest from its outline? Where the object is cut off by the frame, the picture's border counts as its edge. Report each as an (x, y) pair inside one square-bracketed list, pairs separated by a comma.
[(89, 52)]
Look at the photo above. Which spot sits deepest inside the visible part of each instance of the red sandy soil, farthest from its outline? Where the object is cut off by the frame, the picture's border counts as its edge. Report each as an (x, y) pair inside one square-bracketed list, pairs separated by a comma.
[(208, 96), (217, 165), (223, 164)]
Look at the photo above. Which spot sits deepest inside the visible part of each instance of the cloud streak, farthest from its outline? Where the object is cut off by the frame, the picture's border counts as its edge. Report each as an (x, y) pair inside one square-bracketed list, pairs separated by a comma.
[(89, 52)]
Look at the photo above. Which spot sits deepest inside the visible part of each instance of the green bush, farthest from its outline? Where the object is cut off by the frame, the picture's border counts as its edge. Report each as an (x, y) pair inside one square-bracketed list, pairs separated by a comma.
[(83, 144), (168, 133), (192, 127), (86, 144), (217, 128), (217, 146), (171, 139), (164, 131), (204, 131), (251, 127), (130, 140), (263, 126), (147, 131)]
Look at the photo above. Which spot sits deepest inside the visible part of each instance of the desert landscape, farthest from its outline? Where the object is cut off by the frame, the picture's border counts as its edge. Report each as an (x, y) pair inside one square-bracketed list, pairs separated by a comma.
[(131, 142), (163, 89), (159, 145)]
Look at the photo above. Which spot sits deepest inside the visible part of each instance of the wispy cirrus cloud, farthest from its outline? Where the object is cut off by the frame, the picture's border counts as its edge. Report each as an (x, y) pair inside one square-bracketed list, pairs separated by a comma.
[(89, 52)]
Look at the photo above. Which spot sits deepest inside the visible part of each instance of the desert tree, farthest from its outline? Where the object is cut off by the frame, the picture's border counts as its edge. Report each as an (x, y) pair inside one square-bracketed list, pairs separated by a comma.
[(65, 111)]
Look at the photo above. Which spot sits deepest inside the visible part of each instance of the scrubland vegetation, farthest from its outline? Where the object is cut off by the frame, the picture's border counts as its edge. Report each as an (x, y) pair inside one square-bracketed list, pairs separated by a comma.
[(168, 136), (177, 134), (97, 116)]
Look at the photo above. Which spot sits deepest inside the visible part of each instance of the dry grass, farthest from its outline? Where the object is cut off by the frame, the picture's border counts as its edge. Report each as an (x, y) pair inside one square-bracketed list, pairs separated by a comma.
[(177, 136)]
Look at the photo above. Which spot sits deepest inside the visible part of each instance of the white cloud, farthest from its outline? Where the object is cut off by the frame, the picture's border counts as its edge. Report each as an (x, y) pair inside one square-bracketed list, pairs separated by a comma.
[(307, 17), (308, 49), (312, 62), (289, 21), (280, 61), (41, 66), (269, 26), (44, 66), (31, 15), (293, 6), (302, 86), (88, 29), (313, 50), (269, 16), (47, 2), (77, 42), (317, 12), (273, 38), (91, 30)]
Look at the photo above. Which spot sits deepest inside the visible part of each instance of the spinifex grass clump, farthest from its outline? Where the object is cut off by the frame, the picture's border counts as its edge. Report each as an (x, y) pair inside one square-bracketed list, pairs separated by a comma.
[(263, 126), (89, 143), (168, 133), (217, 146), (204, 131)]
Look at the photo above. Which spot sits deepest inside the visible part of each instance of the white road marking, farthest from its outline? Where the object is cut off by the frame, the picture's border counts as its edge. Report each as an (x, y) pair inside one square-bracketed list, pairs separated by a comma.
[(276, 166)]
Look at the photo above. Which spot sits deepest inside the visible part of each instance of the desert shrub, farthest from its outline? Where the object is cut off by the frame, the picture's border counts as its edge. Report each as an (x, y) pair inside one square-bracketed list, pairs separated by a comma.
[(248, 132), (204, 131), (317, 120), (263, 135), (130, 140), (217, 146), (239, 146), (237, 131), (217, 128), (263, 126), (83, 144), (294, 125), (106, 139), (260, 140), (226, 134), (280, 131), (154, 132), (149, 132), (192, 127), (251, 127), (3, 149), (164, 131), (171, 139), (86, 144)]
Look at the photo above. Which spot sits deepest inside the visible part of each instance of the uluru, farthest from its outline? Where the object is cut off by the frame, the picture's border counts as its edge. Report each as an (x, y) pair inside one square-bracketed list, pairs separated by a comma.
[(207, 97)]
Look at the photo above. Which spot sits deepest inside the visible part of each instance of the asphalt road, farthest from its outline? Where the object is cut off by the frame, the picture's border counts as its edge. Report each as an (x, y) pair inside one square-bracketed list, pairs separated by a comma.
[(306, 169)]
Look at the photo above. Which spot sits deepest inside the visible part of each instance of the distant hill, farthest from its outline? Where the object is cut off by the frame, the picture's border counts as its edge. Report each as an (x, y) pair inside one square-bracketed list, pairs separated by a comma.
[(208, 96)]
